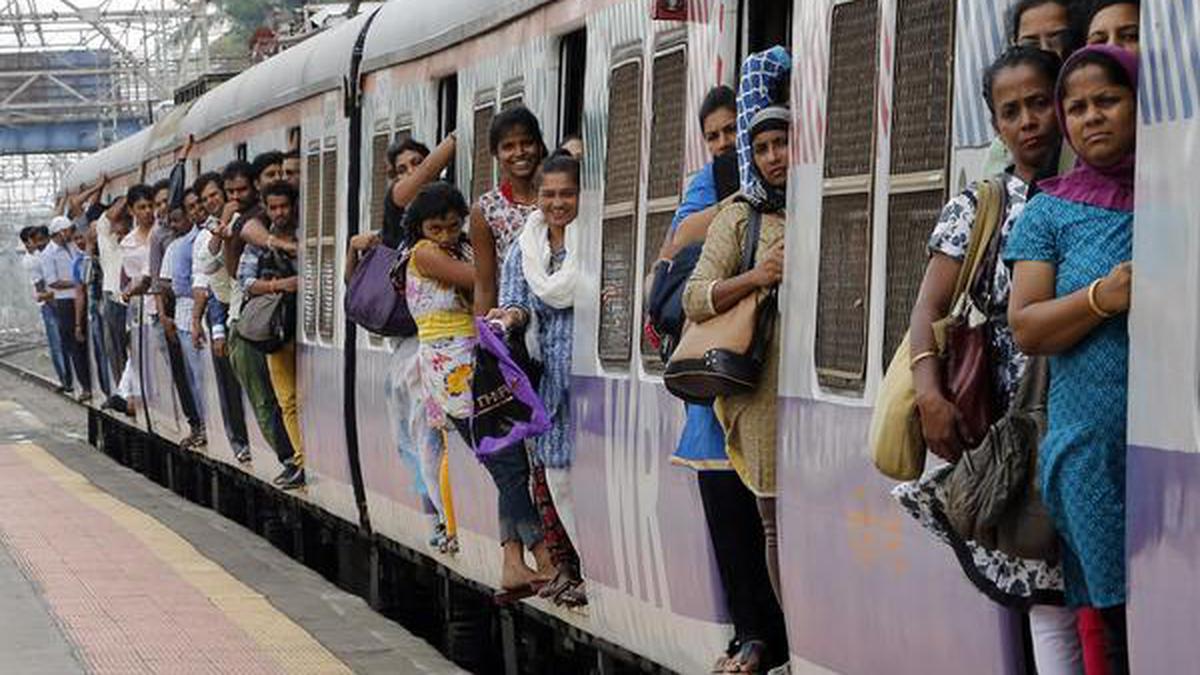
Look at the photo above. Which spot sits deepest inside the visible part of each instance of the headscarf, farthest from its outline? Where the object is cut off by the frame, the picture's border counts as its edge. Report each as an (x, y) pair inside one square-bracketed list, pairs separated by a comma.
[(764, 77), (1109, 187)]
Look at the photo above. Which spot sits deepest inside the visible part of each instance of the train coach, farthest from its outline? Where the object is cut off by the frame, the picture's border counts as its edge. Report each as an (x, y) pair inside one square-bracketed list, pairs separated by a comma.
[(888, 121)]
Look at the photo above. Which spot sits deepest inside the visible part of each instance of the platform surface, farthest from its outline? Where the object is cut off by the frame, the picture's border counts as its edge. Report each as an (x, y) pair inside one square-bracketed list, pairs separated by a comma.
[(103, 571)]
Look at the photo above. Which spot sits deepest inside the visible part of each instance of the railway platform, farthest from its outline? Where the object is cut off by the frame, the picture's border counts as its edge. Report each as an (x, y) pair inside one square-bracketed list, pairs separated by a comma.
[(102, 571)]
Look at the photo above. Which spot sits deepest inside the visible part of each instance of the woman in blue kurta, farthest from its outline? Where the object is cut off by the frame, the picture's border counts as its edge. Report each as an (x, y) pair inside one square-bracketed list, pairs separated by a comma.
[(1071, 289), (537, 290)]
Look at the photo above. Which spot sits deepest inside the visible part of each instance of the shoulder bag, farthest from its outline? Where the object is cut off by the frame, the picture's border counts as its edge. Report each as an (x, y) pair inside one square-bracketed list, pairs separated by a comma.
[(372, 299), (895, 438), (724, 355), (992, 493)]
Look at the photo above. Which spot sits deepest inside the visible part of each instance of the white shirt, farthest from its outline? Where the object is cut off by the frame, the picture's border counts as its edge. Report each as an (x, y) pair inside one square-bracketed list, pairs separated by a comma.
[(208, 269), (109, 248), (58, 264)]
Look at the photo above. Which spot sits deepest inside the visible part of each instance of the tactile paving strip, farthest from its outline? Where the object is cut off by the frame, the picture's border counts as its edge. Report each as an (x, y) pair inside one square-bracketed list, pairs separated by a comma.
[(133, 596)]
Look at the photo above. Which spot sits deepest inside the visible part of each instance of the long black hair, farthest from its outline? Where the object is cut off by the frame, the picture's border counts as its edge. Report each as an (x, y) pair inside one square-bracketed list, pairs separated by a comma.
[(433, 201)]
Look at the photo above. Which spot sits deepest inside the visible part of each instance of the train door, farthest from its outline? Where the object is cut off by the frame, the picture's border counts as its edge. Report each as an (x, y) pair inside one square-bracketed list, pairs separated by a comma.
[(1163, 471)]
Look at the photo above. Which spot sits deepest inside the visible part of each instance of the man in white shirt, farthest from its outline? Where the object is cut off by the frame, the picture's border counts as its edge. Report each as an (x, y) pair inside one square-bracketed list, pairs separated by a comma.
[(111, 227), (35, 239), (58, 271)]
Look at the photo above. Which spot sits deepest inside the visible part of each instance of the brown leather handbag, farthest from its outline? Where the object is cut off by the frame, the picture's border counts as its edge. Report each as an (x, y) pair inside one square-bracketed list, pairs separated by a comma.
[(967, 338), (724, 355)]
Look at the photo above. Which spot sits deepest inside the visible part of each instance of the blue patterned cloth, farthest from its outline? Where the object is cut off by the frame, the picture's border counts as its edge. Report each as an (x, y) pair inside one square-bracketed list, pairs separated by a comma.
[(764, 77), (1081, 466), (555, 328)]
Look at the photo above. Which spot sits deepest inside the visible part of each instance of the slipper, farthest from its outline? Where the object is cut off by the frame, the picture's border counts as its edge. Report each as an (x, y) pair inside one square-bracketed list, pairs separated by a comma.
[(751, 658), (555, 586), (572, 595)]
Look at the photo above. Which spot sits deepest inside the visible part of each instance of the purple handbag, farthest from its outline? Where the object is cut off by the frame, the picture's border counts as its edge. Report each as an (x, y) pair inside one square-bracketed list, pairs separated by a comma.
[(371, 299), (506, 409)]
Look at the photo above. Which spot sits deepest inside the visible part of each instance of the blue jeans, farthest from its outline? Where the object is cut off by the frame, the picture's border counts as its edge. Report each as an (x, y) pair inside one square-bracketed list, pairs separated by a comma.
[(96, 332), (519, 519), (192, 365), (54, 341)]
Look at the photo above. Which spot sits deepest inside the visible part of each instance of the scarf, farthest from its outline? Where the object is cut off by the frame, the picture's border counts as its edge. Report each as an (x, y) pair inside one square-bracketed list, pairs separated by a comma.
[(763, 83), (1109, 187), (558, 289)]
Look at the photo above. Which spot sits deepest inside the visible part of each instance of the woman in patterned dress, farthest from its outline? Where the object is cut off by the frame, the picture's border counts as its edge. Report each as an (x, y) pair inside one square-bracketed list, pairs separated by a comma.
[(1072, 275), (537, 290), (1019, 90), (440, 275), (515, 139)]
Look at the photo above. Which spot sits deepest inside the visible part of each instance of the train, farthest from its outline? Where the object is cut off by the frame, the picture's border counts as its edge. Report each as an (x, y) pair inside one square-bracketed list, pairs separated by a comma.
[(888, 122)]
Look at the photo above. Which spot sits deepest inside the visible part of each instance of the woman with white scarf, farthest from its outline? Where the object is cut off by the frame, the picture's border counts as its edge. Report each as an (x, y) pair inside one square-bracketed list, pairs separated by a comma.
[(537, 291)]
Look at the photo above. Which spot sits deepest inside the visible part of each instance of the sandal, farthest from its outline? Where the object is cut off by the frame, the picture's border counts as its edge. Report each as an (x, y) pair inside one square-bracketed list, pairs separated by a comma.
[(572, 595), (721, 665), (750, 658)]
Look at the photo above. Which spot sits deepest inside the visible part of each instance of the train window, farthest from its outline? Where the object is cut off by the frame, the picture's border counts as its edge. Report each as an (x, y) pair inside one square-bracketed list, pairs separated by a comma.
[(762, 24), (293, 136), (920, 146), (311, 225), (240, 151), (512, 95), (668, 113), (482, 166), (448, 117), (843, 288), (619, 227), (380, 171), (572, 66), (327, 273)]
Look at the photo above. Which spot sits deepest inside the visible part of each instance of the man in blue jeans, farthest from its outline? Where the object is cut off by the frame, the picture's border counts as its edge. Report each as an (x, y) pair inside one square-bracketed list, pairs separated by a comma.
[(35, 238), (58, 271)]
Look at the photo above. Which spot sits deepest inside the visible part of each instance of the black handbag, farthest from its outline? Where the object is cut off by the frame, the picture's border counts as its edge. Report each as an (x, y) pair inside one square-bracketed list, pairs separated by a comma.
[(724, 356)]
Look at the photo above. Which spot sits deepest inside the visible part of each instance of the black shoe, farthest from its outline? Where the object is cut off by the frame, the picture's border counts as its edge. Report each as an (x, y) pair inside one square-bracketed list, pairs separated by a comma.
[(63, 389), (242, 455), (196, 439), (287, 468), (293, 479), (115, 403)]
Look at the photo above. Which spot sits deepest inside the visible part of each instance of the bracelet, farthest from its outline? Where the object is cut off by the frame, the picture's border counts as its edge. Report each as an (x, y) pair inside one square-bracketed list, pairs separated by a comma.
[(912, 363), (1091, 296)]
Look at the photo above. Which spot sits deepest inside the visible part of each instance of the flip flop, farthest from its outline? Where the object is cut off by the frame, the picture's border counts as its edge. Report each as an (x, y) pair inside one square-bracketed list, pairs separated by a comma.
[(751, 658), (572, 595)]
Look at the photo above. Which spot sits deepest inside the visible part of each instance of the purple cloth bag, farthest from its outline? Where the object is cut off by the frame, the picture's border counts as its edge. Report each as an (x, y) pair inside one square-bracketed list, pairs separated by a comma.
[(506, 409), (372, 300)]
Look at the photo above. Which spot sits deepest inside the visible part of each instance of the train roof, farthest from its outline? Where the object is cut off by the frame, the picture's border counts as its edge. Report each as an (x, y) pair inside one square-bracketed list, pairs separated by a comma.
[(124, 155), (406, 30), (403, 30)]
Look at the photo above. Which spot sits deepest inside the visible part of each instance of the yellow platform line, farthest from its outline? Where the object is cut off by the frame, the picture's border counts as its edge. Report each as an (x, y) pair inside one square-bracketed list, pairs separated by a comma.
[(289, 645)]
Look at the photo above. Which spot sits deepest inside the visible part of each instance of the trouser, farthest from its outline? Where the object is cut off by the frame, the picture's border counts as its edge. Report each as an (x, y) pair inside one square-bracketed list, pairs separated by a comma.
[(54, 342), (192, 368), (561, 548), (179, 377), (432, 449), (766, 511), (1105, 645), (1056, 648), (250, 367), (229, 397), (735, 529), (116, 334), (281, 366), (74, 352), (519, 520), (559, 482), (96, 333)]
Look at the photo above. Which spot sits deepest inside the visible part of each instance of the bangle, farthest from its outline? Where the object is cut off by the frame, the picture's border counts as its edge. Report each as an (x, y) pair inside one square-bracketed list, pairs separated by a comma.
[(912, 363), (1095, 306)]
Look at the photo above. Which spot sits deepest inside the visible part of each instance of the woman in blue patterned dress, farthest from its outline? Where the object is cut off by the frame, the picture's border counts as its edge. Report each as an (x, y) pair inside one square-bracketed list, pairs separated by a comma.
[(537, 290), (1072, 274)]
